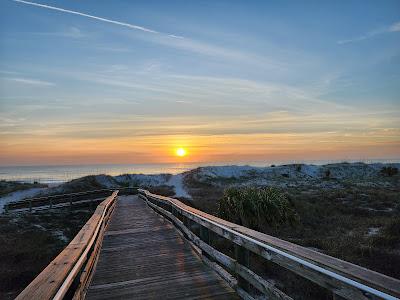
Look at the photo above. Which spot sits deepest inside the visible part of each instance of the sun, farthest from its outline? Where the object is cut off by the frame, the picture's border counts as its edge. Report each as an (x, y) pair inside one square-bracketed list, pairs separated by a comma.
[(181, 152)]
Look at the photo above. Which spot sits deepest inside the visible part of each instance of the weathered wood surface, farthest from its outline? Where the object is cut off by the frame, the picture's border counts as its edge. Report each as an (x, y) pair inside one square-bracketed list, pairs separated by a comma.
[(57, 277), (220, 259), (46, 201), (61, 200), (264, 245), (78, 203), (143, 256)]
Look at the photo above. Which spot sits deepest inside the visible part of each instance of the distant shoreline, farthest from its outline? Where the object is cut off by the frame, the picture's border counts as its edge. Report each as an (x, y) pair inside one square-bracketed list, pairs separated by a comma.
[(57, 174)]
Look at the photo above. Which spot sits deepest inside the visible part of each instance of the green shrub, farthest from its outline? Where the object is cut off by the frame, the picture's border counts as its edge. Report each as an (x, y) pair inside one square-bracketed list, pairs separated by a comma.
[(327, 174), (256, 207), (389, 171), (124, 184)]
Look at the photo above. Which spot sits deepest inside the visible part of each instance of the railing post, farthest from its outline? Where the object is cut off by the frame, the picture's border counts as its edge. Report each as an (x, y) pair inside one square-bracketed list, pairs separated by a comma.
[(188, 223), (242, 256), (174, 212), (204, 234)]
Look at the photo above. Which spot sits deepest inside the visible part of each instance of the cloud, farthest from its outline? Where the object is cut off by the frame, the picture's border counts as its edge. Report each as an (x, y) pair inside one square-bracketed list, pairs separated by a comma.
[(131, 26), (70, 32), (74, 32), (112, 49), (395, 27), (175, 41), (31, 81), (218, 51)]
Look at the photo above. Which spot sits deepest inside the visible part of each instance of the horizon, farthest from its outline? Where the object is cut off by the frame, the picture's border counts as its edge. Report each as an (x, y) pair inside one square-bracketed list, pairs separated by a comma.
[(55, 174), (265, 162), (88, 83)]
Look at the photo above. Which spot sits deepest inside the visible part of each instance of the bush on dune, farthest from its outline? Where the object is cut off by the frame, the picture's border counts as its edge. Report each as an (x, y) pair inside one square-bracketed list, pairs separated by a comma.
[(256, 208), (389, 171)]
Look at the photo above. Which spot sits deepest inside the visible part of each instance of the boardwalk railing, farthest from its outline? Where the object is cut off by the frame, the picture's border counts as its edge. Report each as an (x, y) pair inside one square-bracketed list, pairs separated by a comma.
[(69, 273), (344, 279), (62, 200)]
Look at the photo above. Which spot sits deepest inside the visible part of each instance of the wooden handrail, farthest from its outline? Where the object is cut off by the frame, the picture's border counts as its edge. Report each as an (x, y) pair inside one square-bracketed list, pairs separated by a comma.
[(57, 278), (61, 277), (52, 200), (342, 278)]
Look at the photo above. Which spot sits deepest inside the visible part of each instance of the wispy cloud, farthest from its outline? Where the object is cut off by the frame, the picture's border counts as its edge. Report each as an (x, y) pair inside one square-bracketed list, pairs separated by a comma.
[(395, 27), (30, 81), (131, 26), (70, 32), (8, 72), (173, 40)]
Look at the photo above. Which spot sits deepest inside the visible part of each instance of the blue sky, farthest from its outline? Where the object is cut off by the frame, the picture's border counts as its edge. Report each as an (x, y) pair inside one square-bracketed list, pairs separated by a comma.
[(261, 79)]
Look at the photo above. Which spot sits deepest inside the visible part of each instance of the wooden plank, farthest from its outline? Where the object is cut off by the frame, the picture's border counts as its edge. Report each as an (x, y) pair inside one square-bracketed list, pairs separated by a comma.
[(242, 256), (364, 276), (52, 278), (144, 257), (229, 263), (41, 202), (321, 279), (87, 272)]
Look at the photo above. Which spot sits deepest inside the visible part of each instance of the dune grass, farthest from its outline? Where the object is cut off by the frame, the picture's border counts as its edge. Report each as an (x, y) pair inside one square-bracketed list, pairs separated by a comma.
[(30, 241)]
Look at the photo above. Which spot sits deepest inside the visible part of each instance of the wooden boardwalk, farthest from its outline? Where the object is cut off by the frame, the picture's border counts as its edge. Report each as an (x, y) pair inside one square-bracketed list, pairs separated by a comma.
[(144, 257), (141, 255)]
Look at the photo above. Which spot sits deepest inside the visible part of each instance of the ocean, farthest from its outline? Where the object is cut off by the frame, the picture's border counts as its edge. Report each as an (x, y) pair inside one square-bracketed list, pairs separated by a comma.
[(58, 174)]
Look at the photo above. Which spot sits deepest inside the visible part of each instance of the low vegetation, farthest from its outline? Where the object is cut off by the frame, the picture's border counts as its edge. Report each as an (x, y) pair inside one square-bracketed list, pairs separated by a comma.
[(30, 241), (354, 220), (389, 171), (7, 187), (256, 208), (352, 217), (83, 184)]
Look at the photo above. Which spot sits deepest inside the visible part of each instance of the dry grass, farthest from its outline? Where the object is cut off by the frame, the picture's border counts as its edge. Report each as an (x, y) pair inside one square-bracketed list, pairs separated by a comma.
[(29, 242), (337, 222), (7, 187)]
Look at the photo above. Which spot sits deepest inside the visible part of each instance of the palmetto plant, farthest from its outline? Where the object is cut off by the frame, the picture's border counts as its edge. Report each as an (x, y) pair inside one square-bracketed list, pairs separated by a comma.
[(256, 207)]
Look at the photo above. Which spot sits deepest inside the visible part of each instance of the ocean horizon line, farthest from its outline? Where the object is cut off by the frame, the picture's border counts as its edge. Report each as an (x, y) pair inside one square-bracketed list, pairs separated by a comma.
[(215, 163), (63, 173)]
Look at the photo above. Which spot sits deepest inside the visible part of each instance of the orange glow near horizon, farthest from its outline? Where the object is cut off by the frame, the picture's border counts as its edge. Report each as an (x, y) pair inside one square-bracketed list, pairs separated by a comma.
[(202, 99), (220, 148)]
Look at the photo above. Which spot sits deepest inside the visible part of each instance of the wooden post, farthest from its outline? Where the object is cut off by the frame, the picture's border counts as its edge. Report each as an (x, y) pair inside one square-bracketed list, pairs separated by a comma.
[(30, 205), (174, 212), (242, 256), (204, 234), (70, 200), (189, 224), (205, 237), (211, 238), (51, 202)]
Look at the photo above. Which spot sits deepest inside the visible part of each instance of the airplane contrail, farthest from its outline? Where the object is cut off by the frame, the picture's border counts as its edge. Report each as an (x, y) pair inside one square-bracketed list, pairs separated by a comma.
[(92, 17)]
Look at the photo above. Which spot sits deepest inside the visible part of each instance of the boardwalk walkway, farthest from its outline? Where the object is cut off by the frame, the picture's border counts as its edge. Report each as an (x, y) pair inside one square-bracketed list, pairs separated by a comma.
[(144, 257)]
